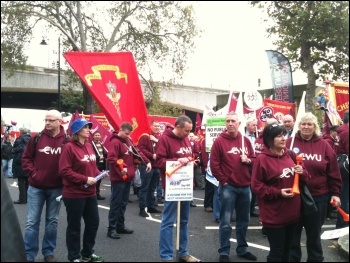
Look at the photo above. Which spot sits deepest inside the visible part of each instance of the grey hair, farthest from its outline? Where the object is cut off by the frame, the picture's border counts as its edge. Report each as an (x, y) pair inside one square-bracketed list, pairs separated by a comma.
[(308, 116)]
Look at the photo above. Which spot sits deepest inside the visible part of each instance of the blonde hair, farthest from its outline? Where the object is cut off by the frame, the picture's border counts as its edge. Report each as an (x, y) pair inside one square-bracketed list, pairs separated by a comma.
[(308, 116)]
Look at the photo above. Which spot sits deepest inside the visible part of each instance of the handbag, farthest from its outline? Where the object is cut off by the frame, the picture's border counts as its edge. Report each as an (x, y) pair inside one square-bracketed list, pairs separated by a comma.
[(308, 205)]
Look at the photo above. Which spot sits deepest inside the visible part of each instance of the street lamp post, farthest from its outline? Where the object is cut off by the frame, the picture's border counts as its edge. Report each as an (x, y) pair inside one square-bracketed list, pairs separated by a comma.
[(43, 42), (59, 75)]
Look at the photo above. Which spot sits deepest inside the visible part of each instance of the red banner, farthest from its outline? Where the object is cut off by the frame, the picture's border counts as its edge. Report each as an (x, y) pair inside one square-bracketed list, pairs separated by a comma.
[(112, 80), (341, 92)]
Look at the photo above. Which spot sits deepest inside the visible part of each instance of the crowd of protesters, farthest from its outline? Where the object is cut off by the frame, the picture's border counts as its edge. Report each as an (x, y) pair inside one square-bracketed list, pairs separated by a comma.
[(246, 181)]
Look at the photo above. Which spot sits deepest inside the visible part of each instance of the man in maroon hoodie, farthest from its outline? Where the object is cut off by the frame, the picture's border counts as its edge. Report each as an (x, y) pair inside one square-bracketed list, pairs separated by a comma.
[(121, 154), (229, 163), (174, 145), (40, 161), (147, 144)]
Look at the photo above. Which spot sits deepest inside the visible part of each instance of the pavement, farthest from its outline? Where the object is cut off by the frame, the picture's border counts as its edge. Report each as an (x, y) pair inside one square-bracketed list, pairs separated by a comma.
[(343, 244)]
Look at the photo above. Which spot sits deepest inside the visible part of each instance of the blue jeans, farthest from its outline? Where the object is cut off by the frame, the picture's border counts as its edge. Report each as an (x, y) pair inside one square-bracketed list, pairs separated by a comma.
[(148, 186), (166, 246), (36, 200), (234, 199), (7, 167)]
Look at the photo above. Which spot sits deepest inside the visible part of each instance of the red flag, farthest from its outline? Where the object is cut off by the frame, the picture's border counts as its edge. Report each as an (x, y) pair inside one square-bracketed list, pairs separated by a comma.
[(232, 102), (112, 80), (326, 126), (198, 123), (74, 117), (97, 126)]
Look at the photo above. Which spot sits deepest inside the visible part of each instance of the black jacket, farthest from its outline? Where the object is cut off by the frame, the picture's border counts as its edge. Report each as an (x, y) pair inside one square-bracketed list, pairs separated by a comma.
[(6, 150), (18, 149)]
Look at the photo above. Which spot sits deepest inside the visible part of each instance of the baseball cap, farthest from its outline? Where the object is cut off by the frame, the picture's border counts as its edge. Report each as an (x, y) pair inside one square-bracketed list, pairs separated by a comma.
[(78, 124)]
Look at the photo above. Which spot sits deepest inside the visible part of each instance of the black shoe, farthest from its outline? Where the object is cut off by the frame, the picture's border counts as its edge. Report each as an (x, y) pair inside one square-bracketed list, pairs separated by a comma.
[(125, 231), (224, 258), (100, 197), (153, 210), (19, 202), (263, 232), (248, 256), (143, 213), (192, 205), (113, 234), (254, 214)]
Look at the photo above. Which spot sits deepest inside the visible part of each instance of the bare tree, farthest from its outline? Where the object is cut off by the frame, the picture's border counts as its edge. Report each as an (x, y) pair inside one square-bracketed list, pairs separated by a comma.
[(160, 34)]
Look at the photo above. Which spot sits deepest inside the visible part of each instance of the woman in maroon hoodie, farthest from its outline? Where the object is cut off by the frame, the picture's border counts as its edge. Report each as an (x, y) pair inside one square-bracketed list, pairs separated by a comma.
[(272, 181), (324, 184), (78, 169)]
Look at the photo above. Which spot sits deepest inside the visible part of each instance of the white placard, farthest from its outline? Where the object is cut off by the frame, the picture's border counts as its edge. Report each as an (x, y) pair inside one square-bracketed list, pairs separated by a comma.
[(253, 99), (336, 233), (179, 186)]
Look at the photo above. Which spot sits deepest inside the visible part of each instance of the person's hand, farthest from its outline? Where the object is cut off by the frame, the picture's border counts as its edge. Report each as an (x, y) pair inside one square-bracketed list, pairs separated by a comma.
[(148, 167), (245, 159), (91, 181), (298, 169), (287, 193), (335, 201)]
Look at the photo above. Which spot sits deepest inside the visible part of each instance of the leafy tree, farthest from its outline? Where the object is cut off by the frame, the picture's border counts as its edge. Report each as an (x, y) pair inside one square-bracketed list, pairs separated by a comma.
[(159, 33), (313, 35)]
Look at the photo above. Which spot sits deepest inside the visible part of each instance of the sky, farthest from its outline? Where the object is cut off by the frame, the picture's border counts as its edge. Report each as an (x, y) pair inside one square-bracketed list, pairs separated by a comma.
[(229, 55)]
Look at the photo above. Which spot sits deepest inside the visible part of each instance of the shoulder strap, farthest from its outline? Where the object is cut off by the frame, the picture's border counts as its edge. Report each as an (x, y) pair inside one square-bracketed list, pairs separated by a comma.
[(36, 139), (292, 155)]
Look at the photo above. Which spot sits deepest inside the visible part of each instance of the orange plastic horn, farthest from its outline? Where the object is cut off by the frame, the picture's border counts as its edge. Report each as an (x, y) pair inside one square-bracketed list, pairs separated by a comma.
[(341, 212), (120, 162), (295, 188), (177, 167)]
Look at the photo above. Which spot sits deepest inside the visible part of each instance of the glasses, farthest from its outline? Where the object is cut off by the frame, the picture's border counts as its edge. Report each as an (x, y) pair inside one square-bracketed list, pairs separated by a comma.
[(51, 121)]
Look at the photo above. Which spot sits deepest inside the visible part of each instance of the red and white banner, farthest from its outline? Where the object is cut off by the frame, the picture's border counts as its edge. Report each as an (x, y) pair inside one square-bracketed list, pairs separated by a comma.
[(112, 80), (341, 92)]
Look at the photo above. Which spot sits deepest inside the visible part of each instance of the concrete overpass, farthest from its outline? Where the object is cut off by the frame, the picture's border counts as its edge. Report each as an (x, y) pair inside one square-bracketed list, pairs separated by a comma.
[(36, 88)]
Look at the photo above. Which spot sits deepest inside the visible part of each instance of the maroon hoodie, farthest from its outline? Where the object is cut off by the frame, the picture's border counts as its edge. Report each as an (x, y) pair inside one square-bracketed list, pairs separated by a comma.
[(40, 161), (271, 173), (225, 159), (321, 162), (77, 163), (171, 148), (148, 147), (121, 148)]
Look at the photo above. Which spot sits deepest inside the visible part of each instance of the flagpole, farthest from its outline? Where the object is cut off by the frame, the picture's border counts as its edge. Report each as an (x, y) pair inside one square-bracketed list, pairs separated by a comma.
[(301, 111)]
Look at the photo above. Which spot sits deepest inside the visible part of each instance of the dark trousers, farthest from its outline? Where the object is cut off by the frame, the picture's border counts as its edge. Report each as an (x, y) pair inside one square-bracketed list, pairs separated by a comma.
[(98, 184), (149, 183), (312, 224), (344, 200), (280, 240), (78, 208), (22, 188), (208, 194), (119, 200)]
